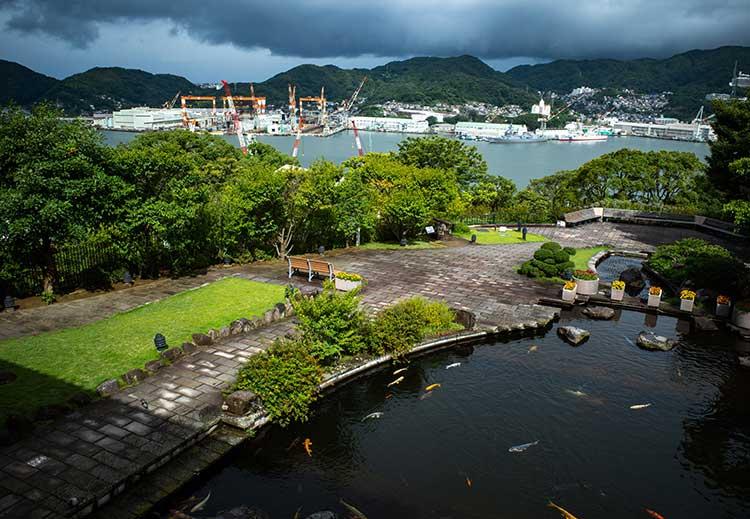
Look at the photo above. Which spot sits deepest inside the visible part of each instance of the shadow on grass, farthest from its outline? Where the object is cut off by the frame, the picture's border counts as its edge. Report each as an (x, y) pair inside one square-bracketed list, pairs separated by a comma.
[(25, 397)]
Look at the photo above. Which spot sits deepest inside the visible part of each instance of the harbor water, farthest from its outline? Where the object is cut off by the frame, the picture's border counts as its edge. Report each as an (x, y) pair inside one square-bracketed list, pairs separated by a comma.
[(682, 451), (518, 162)]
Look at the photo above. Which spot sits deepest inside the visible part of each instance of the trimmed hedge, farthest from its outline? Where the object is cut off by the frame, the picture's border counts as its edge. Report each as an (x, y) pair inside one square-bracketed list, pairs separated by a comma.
[(550, 260)]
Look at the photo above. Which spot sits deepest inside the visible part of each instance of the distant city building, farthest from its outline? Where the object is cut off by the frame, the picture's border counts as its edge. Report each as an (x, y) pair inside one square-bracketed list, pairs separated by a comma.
[(582, 90), (672, 131), (144, 118)]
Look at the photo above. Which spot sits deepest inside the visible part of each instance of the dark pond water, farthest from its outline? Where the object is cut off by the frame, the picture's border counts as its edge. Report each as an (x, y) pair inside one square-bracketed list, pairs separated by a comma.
[(685, 456), (611, 267)]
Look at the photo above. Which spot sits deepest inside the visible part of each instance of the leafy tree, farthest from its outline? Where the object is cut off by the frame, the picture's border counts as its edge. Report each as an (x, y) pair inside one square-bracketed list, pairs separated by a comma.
[(492, 193), (55, 187), (729, 163), (446, 154)]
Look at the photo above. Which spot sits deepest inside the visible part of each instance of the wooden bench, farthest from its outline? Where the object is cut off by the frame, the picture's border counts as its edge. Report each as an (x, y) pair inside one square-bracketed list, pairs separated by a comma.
[(311, 267)]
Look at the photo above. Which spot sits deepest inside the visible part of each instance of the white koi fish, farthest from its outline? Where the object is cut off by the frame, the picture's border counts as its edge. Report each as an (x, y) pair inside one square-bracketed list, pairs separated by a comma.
[(372, 415), (640, 406), (454, 365), (522, 447)]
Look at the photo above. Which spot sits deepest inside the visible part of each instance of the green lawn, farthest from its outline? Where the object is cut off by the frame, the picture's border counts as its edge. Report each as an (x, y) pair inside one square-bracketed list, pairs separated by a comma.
[(380, 245), (52, 366), (582, 256), (501, 238)]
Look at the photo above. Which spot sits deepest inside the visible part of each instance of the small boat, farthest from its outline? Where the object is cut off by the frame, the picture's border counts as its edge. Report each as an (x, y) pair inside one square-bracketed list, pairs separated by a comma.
[(582, 137)]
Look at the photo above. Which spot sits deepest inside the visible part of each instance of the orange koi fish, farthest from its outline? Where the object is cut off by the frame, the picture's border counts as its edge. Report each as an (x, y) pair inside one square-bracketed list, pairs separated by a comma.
[(655, 515), (431, 387), (564, 513), (308, 446)]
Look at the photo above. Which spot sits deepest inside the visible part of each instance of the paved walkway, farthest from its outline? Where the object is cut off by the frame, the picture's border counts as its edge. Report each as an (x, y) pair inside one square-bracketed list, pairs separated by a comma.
[(79, 458)]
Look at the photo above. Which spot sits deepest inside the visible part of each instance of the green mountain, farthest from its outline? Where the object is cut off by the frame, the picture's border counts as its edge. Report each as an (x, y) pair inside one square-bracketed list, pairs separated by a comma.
[(22, 85), (690, 75), (417, 80), (113, 88)]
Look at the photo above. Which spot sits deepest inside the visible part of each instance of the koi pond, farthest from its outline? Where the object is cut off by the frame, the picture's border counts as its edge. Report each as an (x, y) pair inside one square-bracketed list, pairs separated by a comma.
[(613, 430)]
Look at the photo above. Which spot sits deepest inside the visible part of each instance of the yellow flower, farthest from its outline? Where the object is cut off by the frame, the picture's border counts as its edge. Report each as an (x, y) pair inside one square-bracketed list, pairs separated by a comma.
[(618, 285), (687, 294), (569, 285), (654, 291)]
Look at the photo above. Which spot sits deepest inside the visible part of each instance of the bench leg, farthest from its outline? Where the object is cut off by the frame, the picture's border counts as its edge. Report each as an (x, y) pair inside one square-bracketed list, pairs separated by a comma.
[(309, 275)]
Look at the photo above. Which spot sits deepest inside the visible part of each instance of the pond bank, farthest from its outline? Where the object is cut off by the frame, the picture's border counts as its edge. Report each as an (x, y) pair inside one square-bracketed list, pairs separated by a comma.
[(138, 499)]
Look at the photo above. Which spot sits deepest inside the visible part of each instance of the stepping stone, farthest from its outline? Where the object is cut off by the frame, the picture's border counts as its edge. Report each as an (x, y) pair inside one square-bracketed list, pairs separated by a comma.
[(573, 335), (599, 312), (651, 341)]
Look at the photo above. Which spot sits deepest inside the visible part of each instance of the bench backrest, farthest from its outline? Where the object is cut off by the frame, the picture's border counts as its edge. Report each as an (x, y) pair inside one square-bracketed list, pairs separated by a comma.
[(319, 266), (297, 262)]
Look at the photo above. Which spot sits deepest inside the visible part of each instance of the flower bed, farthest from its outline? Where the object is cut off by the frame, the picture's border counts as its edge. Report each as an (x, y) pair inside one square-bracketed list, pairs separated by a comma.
[(569, 291), (618, 290), (654, 297), (587, 281), (687, 300), (347, 281)]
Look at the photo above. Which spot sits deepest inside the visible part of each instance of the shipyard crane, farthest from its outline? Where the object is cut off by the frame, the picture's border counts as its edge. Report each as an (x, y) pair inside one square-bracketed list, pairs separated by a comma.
[(292, 105), (186, 121), (320, 101), (170, 104), (357, 140), (235, 118), (348, 104), (259, 102)]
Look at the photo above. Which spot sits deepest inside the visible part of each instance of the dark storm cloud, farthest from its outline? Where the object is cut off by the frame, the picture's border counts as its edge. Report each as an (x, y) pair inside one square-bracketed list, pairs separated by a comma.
[(491, 29)]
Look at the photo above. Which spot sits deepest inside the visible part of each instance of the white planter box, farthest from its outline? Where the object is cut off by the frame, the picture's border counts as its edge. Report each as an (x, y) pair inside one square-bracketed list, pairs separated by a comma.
[(686, 305), (741, 318), (617, 295), (654, 301), (345, 285), (723, 310), (587, 287), (569, 295)]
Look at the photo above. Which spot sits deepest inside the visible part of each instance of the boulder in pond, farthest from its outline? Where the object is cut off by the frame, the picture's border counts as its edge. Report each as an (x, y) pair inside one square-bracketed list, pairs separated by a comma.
[(599, 312), (573, 335), (651, 341), (634, 280)]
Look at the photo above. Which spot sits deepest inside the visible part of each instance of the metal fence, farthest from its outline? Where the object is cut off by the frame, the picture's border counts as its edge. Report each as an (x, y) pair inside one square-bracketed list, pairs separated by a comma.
[(78, 266)]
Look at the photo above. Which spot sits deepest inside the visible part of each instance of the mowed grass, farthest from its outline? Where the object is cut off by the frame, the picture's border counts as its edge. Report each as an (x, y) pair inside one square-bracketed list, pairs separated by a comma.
[(582, 256), (412, 245), (501, 238), (52, 366)]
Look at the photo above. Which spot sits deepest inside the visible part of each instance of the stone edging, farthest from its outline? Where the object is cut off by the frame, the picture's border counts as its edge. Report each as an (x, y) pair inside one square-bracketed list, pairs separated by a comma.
[(601, 256)]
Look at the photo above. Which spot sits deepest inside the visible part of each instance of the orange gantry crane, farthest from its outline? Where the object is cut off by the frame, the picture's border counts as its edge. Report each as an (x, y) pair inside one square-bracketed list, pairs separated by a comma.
[(321, 102), (191, 123), (257, 103)]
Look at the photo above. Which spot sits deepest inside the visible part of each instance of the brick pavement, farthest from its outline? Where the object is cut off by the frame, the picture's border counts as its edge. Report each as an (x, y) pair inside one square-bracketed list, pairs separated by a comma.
[(76, 460)]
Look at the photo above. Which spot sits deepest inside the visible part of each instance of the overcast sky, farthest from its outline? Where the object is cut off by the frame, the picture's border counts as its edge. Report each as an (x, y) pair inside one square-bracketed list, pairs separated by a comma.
[(249, 40)]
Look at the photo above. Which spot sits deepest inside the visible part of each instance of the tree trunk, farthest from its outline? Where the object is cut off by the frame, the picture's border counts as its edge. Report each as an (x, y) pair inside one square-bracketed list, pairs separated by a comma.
[(49, 268)]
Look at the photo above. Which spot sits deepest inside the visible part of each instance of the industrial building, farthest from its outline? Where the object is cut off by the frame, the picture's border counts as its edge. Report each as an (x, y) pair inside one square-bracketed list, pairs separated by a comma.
[(671, 131), (144, 118), (472, 130), (390, 124)]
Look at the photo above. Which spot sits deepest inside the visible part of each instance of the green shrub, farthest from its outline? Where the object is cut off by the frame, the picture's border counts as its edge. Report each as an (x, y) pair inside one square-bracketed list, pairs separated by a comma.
[(398, 328), (550, 260), (331, 323), (285, 378), (460, 227), (703, 264)]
